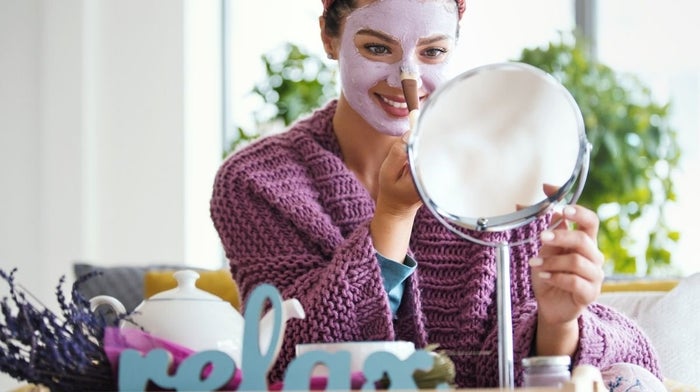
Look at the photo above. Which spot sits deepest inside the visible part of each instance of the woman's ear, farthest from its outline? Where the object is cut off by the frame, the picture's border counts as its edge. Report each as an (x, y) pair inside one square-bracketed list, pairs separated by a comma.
[(328, 41)]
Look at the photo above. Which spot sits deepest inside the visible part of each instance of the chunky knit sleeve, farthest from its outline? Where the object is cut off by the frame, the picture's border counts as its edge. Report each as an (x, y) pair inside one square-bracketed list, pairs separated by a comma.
[(608, 337), (288, 214)]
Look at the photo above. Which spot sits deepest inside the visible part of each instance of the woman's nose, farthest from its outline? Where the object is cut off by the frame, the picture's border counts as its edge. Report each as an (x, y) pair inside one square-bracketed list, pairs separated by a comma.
[(403, 70)]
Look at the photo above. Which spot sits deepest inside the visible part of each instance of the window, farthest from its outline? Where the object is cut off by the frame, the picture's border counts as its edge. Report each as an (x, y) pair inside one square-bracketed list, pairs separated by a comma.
[(256, 28), (657, 41)]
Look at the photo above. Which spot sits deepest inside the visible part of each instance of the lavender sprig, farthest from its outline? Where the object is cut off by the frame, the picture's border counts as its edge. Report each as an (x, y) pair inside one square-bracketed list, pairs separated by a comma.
[(60, 351)]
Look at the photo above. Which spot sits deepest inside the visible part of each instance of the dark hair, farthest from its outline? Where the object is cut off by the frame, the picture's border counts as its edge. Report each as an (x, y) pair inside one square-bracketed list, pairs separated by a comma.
[(337, 11)]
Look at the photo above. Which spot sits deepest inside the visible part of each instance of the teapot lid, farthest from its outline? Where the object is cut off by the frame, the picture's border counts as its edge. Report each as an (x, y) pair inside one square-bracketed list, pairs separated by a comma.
[(186, 289)]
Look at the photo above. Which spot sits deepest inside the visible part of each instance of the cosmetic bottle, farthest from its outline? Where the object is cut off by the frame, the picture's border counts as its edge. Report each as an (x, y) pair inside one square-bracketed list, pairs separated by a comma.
[(546, 371)]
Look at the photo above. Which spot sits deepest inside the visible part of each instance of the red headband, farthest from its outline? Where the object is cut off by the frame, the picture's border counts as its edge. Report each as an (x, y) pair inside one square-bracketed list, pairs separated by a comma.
[(461, 6)]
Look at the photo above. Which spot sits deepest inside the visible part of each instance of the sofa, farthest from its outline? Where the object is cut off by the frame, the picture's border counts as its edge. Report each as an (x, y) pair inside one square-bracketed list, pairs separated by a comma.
[(669, 313)]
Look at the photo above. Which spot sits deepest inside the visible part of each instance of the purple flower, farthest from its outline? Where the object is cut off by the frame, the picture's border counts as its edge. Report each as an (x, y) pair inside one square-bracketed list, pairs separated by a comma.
[(62, 351)]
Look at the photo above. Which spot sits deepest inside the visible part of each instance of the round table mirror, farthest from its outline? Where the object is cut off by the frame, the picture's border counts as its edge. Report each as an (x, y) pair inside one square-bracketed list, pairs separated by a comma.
[(493, 149), (486, 143)]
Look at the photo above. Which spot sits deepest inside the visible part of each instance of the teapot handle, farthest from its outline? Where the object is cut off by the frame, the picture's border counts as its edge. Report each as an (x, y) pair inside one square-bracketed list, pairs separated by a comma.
[(112, 302)]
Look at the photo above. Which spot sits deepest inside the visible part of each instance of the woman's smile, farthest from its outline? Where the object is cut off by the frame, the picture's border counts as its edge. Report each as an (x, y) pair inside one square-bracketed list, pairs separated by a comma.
[(394, 106)]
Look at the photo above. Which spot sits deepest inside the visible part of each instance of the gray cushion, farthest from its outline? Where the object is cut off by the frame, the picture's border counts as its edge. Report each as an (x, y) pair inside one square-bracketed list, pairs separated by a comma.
[(124, 283)]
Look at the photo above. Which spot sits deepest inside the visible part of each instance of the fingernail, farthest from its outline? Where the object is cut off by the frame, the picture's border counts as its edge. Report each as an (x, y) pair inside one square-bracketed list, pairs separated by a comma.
[(405, 136), (544, 275), (536, 262), (547, 235), (569, 211)]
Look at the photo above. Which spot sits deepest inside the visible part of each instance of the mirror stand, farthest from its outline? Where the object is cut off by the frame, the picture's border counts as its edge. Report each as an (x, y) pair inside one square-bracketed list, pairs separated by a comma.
[(506, 365)]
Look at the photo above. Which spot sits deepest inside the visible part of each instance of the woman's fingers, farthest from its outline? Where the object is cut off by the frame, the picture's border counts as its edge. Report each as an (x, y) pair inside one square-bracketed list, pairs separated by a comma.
[(396, 162), (584, 286), (570, 259), (585, 219), (571, 263), (396, 188), (570, 241)]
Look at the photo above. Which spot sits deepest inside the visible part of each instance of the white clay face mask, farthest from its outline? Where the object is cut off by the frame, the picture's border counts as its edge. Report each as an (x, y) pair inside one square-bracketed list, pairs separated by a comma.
[(407, 21)]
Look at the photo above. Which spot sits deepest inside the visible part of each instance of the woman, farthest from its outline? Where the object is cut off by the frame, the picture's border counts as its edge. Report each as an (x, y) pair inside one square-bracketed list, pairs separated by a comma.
[(328, 213)]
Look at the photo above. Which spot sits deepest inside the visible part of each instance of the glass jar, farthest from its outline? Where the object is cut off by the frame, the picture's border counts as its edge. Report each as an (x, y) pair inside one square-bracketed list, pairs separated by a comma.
[(546, 371)]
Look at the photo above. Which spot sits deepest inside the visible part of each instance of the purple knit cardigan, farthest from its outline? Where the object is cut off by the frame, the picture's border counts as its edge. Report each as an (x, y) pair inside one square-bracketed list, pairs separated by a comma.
[(290, 213)]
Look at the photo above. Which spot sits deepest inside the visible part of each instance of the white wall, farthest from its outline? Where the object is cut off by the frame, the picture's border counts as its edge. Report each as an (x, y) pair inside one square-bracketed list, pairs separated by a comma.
[(19, 136), (109, 134)]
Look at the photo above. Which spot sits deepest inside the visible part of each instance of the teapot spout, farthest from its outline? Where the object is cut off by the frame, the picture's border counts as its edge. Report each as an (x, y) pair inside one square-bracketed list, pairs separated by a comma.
[(293, 309)]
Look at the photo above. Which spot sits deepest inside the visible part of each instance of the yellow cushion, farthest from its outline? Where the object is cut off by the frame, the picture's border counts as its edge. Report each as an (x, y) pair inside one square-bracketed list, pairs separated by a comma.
[(217, 282), (639, 285), (675, 386)]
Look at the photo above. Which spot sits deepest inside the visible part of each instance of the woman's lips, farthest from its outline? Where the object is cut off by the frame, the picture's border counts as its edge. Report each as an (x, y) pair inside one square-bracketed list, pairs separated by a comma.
[(395, 107)]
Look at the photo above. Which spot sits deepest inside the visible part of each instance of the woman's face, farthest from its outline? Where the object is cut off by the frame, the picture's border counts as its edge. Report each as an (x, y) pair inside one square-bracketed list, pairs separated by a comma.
[(384, 37)]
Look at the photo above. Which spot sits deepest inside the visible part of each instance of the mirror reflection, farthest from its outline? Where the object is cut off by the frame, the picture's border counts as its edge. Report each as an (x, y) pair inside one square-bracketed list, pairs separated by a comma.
[(487, 143)]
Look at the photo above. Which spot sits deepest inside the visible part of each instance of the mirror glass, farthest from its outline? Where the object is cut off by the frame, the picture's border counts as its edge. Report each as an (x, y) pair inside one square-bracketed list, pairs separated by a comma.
[(487, 142)]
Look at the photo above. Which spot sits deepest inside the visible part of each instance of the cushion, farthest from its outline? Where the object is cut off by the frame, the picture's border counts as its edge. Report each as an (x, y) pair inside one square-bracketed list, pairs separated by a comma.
[(219, 283), (124, 283), (672, 322), (633, 303), (611, 285)]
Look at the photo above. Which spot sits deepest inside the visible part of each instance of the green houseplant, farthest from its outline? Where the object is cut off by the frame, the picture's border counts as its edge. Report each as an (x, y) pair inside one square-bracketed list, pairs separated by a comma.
[(296, 83), (634, 153), (634, 156)]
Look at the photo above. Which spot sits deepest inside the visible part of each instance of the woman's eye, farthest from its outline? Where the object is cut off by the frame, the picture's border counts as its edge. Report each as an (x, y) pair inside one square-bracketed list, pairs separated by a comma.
[(377, 49), (435, 52)]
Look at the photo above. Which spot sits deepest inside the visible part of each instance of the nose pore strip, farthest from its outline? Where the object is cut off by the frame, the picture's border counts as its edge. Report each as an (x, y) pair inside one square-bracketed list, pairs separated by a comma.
[(412, 68), (395, 74)]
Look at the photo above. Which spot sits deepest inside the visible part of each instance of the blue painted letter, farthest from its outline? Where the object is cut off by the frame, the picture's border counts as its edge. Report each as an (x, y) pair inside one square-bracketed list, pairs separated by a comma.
[(256, 364), (298, 374), (135, 370)]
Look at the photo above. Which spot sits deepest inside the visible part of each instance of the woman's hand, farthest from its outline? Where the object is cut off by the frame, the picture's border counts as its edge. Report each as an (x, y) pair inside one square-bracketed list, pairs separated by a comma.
[(397, 192), (567, 276), (397, 204)]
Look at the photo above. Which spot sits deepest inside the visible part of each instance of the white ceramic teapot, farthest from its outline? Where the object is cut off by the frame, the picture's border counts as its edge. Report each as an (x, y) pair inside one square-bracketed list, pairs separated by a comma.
[(196, 319)]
